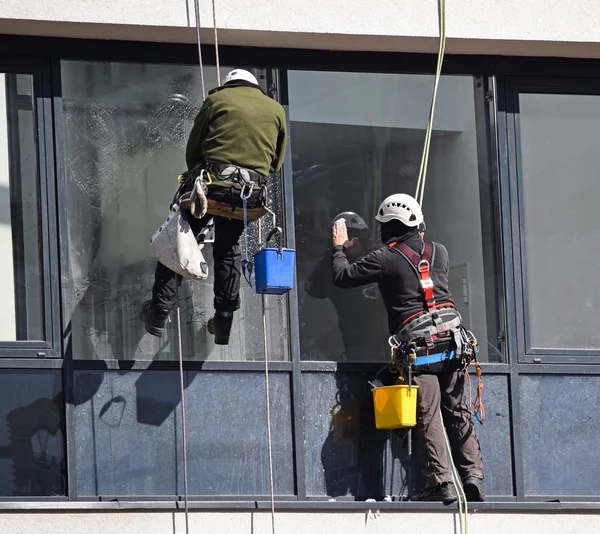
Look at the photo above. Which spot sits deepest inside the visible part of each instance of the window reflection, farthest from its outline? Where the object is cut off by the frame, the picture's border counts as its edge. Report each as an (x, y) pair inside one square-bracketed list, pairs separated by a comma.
[(21, 307), (357, 138)]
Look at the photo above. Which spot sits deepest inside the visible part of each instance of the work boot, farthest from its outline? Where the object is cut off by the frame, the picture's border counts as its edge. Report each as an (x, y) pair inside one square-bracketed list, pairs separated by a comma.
[(219, 325), (473, 487), (154, 318), (444, 492)]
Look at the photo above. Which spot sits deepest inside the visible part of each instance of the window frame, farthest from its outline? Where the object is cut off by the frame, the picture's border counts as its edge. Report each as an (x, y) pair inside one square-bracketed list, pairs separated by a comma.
[(50, 347), (514, 87)]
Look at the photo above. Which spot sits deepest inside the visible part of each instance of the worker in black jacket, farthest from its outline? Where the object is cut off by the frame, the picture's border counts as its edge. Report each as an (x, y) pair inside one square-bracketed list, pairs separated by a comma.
[(401, 222), (238, 125)]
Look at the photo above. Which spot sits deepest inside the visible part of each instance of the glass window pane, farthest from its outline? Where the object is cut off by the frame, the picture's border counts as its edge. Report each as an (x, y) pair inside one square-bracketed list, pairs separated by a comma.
[(21, 308), (32, 454), (126, 127), (356, 138), (560, 157)]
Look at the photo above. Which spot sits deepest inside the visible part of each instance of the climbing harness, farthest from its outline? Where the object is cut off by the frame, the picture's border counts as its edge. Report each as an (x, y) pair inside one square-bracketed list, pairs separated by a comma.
[(435, 334)]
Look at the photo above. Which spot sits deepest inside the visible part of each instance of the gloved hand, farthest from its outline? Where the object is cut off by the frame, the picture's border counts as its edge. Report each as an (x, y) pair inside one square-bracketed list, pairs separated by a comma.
[(198, 201), (339, 232)]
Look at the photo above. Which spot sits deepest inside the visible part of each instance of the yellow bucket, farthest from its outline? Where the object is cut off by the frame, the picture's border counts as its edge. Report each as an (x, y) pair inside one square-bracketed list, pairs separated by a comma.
[(395, 406)]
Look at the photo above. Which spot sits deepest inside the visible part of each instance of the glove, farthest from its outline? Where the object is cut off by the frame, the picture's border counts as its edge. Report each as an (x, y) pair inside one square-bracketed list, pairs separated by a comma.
[(198, 202)]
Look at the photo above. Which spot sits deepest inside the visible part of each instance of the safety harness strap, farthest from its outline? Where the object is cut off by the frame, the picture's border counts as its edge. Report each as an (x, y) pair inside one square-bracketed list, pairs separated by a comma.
[(421, 264)]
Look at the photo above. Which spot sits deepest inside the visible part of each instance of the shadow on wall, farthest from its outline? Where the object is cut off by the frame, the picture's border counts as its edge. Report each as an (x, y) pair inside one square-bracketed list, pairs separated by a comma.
[(358, 460), (36, 443)]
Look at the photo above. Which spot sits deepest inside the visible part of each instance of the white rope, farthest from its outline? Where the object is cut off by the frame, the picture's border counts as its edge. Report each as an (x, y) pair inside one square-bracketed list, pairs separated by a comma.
[(267, 399), (463, 508), (197, 10), (183, 418), (440, 60), (214, 9)]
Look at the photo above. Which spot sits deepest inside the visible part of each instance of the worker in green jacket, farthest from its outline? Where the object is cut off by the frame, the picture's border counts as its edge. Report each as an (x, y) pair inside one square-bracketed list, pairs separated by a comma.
[(239, 134)]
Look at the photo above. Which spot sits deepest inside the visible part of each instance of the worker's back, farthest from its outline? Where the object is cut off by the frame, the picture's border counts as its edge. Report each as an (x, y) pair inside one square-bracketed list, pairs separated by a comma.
[(239, 124), (401, 287)]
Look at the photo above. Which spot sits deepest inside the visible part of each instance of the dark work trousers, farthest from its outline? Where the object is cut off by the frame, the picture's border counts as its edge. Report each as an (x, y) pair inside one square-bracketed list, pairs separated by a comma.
[(446, 392), (227, 267)]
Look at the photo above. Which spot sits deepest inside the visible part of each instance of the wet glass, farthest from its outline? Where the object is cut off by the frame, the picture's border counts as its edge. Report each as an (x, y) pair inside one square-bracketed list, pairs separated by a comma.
[(126, 127)]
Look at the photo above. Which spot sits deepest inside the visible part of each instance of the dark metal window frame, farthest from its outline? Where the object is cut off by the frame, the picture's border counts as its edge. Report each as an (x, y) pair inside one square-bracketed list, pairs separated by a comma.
[(514, 87), (50, 347), (48, 52)]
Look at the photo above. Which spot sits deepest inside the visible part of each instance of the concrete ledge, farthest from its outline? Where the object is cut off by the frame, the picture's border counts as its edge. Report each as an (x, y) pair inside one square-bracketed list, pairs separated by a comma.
[(314, 41), (294, 506)]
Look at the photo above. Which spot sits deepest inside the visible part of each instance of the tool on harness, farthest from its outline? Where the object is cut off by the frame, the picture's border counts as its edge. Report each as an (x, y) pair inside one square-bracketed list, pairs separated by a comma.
[(247, 265)]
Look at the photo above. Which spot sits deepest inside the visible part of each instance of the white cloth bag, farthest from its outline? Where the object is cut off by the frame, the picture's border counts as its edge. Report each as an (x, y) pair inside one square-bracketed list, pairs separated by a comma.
[(175, 246)]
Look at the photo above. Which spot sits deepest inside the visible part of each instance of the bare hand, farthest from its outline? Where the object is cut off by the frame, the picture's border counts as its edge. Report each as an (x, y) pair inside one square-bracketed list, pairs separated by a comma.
[(339, 232)]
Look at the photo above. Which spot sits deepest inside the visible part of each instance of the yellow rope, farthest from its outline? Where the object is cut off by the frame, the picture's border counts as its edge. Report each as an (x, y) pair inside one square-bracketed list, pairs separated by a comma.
[(425, 157)]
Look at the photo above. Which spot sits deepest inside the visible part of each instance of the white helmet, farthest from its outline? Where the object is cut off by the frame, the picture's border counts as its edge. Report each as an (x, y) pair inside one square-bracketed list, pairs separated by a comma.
[(400, 207), (353, 220), (240, 74)]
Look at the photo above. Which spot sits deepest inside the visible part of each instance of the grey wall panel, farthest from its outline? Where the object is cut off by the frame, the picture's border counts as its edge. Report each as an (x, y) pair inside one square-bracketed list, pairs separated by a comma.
[(227, 433), (560, 425), (495, 435), (125, 437), (347, 456), (128, 433)]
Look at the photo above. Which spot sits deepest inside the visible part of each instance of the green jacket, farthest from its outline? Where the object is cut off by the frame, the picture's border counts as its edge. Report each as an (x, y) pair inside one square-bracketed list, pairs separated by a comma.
[(239, 124)]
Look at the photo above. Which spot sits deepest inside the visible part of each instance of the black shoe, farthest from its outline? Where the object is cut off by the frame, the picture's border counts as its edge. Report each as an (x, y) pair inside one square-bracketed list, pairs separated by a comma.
[(220, 326), (444, 492), (154, 318), (473, 487)]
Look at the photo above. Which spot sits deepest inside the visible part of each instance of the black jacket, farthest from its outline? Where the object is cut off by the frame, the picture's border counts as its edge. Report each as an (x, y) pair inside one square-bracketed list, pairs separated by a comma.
[(398, 283)]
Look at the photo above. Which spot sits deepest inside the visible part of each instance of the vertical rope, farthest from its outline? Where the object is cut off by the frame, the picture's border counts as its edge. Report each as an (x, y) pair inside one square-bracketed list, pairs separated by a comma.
[(269, 444), (267, 398), (214, 9), (183, 418), (197, 9), (440, 60)]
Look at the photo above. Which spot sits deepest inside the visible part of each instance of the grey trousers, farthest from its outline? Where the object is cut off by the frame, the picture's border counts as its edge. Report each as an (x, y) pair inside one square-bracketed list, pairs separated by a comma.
[(446, 392)]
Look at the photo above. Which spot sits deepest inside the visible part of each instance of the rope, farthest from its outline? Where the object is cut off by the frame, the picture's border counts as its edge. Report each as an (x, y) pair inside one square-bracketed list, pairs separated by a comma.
[(183, 424), (463, 508), (267, 398), (425, 157), (216, 43), (197, 9)]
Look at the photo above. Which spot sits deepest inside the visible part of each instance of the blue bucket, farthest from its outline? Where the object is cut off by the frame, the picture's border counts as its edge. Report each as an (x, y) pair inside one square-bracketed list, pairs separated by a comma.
[(274, 270)]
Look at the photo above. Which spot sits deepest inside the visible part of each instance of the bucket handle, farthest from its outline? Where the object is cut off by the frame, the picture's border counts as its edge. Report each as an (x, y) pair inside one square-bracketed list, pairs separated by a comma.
[(277, 231)]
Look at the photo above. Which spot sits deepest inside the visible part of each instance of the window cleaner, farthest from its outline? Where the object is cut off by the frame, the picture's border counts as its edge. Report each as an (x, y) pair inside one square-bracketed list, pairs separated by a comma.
[(238, 139), (426, 337)]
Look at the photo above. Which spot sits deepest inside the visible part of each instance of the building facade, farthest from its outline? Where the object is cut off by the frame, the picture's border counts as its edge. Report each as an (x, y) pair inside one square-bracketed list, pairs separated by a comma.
[(96, 102)]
